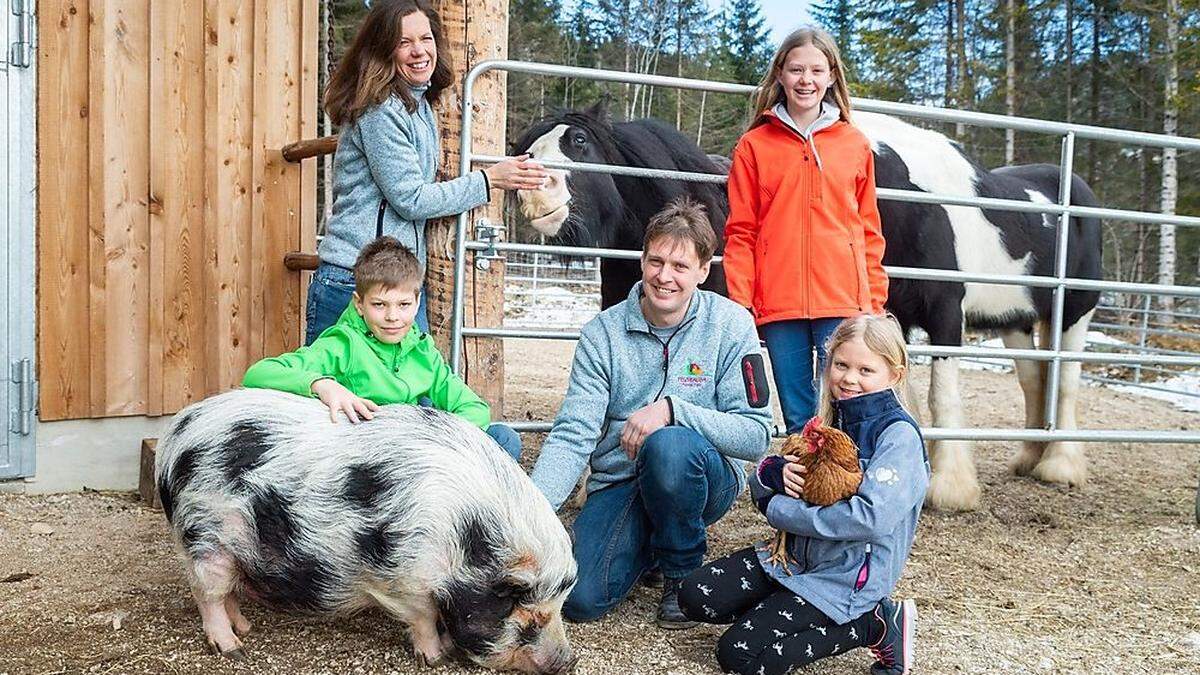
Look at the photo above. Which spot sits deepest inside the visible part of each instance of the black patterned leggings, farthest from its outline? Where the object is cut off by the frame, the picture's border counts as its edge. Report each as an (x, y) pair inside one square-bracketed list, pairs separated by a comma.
[(773, 629)]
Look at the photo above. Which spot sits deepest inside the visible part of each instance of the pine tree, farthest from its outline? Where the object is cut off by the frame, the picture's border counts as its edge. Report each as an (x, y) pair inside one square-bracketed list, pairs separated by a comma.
[(840, 19)]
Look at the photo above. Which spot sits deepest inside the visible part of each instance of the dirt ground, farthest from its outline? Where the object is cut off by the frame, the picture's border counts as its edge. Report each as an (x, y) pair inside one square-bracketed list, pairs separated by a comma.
[(1040, 579)]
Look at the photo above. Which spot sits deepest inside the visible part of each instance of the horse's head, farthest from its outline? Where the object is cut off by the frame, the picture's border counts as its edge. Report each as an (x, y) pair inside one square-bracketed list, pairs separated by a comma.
[(574, 207)]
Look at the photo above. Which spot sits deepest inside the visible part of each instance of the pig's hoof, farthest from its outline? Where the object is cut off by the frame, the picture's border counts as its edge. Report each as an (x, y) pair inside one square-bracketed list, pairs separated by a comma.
[(238, 654)]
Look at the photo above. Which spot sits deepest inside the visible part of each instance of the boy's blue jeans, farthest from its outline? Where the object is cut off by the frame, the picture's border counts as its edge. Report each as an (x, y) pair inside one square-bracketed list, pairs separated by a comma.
[(682, 485), (790, 345), (506, 438), (329, 293)]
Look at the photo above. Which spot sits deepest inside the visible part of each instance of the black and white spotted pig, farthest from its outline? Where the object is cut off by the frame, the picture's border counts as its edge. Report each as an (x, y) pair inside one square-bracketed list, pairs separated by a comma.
[(416, 511)]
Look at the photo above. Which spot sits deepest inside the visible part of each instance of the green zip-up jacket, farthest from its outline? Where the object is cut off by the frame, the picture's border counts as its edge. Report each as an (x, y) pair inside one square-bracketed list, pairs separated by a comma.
[(348, 352)]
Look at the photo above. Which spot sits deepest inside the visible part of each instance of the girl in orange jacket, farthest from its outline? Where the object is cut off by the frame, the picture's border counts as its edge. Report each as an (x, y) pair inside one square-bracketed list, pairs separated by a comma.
[(803, 246)]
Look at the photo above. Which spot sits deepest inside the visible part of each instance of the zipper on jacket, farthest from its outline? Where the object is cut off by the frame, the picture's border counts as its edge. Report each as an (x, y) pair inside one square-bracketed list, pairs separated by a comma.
[(666, 349), (864, 572)]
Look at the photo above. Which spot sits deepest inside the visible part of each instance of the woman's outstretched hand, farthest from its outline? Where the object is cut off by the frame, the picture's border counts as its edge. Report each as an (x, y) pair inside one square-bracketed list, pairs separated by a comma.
[(517, 173)]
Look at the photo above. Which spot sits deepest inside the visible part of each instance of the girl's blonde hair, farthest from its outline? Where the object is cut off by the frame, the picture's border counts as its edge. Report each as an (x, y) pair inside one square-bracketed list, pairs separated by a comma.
[(366, 75), (771, 92), (881, 334)]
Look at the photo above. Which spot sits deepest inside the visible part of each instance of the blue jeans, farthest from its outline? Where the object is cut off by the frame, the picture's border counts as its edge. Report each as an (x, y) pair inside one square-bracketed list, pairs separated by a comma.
[(682, 485), (329, 293), (790, 345), (506, 438)]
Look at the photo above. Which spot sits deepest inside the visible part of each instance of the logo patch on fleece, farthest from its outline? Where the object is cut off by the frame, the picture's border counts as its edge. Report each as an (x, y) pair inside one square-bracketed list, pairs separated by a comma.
[(886, 475), (754, 378), (693, 375)]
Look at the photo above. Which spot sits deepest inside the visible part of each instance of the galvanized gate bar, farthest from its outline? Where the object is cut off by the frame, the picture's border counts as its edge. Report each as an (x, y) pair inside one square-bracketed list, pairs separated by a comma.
[(1065, 176), (890, 194), (922, 273), (1060, 283), (994, 434)]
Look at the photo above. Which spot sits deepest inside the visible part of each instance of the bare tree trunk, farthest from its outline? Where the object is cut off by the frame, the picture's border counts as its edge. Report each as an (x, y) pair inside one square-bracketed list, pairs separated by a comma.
[(1070, 38), (948, 94), (1170, 176), (1094, 83), (963, 99), (679, 62), (1010, 80)]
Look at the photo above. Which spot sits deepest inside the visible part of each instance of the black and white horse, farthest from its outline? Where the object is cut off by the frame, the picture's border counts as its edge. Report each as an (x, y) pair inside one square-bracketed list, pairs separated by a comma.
[(607, 211)]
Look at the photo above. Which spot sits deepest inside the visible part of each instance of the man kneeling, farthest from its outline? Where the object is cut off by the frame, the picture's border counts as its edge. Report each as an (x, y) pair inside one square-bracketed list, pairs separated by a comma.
[(667, 396)]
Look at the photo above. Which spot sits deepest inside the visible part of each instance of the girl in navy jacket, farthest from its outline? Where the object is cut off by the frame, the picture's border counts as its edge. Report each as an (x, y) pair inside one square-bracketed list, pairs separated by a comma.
[(832, 595)]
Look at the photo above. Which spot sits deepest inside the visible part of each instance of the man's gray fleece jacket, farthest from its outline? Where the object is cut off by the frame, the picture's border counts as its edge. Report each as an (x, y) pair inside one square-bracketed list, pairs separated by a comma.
[(389, 156), (621, 366)]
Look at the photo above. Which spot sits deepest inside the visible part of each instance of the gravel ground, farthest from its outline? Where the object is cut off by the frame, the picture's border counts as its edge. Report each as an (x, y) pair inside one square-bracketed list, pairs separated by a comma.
[(1039, 579)]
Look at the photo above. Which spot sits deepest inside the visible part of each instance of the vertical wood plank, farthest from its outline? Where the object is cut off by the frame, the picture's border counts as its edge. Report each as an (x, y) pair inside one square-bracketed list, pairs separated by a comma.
[(118, 201), (177, 181), (310, 36), (229, 102), (277, 122), (63, 281)]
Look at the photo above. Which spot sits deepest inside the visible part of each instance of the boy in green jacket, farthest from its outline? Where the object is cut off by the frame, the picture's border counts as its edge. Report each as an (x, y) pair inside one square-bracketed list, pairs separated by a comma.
[(374, 355)]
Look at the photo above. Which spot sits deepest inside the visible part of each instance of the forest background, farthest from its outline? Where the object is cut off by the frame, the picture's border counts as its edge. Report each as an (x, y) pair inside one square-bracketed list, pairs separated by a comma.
[(1127, 65)]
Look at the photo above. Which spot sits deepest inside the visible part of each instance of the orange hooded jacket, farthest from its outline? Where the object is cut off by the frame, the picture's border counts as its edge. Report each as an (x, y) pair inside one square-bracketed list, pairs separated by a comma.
[(804, 241)]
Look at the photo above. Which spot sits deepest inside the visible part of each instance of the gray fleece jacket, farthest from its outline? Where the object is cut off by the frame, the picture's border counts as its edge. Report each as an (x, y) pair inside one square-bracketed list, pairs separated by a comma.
[(710, 369), (390, 156)]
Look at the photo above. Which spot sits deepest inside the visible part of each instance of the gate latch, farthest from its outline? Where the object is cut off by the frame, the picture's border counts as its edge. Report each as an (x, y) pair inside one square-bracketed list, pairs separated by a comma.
[(488, 233)]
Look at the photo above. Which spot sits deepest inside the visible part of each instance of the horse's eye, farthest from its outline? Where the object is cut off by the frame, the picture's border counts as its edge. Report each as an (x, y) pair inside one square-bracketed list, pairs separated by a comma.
[(579, 139)]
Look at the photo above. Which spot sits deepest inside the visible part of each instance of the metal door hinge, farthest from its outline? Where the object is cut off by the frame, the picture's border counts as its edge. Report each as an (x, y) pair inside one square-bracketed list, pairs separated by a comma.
[(21, 374), (20, 52)]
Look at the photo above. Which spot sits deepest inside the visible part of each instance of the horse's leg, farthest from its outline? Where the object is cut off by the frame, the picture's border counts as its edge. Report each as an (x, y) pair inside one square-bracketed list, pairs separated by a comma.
[(1064, 461), (1032, 376), (953, 485)]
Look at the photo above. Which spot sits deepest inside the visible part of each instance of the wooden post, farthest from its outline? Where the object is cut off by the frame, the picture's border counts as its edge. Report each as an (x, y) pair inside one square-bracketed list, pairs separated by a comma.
[(476, 30), (146, 486)]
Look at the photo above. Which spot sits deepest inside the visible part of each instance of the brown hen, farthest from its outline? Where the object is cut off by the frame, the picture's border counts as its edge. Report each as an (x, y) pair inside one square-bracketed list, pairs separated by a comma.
[(831, 472)]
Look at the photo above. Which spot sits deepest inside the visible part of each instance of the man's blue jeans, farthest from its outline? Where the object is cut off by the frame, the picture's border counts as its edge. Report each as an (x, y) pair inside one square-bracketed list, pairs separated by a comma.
[(682, 485), (507, 438), (329, 293), (790, 345)]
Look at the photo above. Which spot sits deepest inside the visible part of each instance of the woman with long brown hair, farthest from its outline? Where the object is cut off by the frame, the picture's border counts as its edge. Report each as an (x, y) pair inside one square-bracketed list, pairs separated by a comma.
[(385, 168)]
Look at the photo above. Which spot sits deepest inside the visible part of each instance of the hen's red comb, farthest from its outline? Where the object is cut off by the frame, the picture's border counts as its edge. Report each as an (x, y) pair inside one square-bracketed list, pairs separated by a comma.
[(812, 425)]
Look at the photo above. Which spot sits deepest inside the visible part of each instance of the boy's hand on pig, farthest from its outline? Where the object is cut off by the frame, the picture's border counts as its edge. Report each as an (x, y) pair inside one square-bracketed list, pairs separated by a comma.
[(340, 399)]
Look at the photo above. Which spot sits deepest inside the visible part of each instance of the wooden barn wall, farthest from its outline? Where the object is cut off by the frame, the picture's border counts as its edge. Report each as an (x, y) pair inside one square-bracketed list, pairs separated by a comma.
[(164, 207)]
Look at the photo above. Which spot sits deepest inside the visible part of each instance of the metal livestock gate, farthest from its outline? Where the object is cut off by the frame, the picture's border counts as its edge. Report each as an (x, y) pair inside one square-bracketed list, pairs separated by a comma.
[(1060, 282)]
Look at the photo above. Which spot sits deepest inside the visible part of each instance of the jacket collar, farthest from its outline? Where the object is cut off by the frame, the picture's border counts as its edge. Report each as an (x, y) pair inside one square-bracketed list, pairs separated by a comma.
[(636, 321), (830, 115), (351, 319), (859, 408)]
